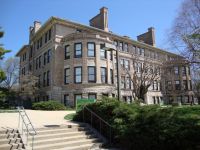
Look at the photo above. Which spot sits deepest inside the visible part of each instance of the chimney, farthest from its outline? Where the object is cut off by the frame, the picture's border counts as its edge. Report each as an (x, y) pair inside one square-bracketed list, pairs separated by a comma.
[(101, 20), (37, 26), (148, 37)]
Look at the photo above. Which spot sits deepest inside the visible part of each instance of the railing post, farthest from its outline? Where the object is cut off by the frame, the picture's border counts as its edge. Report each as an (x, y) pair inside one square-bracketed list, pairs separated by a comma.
[(32, 141), (91, 118), (110, 135), (83, 114), (27, 136), (100, 126)]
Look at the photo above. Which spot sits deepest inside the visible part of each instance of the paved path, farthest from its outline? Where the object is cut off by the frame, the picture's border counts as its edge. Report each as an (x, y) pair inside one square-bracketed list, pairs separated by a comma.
[(38, 118)]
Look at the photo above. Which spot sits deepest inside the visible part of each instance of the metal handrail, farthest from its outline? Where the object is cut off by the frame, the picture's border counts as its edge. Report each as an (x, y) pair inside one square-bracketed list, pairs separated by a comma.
[(101, 120), (31, 132)]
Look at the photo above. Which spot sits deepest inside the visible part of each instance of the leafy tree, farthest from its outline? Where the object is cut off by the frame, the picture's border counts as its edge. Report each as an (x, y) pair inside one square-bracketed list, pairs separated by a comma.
[(2, 52)]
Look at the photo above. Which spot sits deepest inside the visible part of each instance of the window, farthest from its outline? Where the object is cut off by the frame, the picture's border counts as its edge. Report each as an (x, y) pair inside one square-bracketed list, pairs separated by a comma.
[(185, 86), (67, 52), (123, 83), (92, 96), (176, 70), (138, 67), (128, 83), (111, 76), (49, 34), (38, 44), (48, 78), (36, 66), (78, 74), (91, 74), (41, 42), (24, 56), (31, 52), (40, 61), (46, 34), (45, 56), (155, 85), (122, 62), (78, 50), (77, 97), (91, 49), (44, 79), (115, 43), (177, 85), (127, 64), (142, 51), (133, 49), (121, 46), (103, 75), (48, 55), (39, 78), (103, 54), (66, 99), (111, 55), (183, 70), (126, 47), (169, 85), (67, 75)]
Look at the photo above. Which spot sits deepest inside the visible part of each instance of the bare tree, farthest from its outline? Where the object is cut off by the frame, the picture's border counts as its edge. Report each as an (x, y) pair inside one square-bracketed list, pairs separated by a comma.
[(11, 69), (185, 33), (29, 85), (143, 76)]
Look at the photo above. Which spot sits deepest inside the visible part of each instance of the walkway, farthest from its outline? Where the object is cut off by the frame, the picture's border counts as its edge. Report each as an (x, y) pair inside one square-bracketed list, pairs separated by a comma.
[(38, 118)]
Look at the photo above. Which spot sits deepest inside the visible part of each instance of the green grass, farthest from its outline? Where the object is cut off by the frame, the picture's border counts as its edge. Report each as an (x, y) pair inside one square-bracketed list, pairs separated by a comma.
[(69, 116), (8, 111)]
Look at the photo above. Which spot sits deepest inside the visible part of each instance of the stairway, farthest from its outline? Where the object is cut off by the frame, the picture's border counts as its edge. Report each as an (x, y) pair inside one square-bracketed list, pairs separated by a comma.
[(63, 137), (10, 139), (66, 137)]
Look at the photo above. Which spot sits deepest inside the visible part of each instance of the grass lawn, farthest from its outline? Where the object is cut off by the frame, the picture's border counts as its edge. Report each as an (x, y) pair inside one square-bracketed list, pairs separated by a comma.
[(8, 110), (69, 116)]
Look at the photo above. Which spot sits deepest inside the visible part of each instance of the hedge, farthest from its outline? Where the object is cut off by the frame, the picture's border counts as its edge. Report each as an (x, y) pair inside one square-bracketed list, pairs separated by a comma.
[(150, 127), (48, 105)]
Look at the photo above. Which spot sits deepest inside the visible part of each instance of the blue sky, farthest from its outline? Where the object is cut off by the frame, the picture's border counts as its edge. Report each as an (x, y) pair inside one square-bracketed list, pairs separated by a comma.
[(126, 17)]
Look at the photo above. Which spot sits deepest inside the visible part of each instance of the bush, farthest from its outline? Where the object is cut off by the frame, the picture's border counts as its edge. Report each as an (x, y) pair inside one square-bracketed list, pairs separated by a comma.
[(48, 105), (150, 127)]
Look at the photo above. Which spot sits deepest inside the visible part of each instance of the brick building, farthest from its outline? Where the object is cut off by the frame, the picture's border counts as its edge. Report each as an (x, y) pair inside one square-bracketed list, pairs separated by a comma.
[(71, 62)]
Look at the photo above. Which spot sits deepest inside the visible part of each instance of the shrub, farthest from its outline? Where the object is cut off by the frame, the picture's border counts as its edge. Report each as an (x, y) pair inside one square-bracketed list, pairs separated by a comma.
[(48, 105), (150, 127)]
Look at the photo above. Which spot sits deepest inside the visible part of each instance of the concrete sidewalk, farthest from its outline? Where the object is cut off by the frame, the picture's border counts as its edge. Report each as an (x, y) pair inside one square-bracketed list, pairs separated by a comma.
[(37, 117)]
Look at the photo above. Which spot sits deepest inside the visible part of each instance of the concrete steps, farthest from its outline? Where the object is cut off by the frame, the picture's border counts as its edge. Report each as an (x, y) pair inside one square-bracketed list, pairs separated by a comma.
[(64, 137), (10, 139), (69, 137)]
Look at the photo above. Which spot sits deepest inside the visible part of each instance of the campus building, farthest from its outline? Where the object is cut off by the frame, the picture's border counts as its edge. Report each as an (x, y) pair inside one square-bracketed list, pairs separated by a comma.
[(73, 61)]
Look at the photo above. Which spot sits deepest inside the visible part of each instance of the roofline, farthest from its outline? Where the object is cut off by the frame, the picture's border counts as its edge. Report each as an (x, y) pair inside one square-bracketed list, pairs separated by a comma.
[(86, 27), (21, 49)]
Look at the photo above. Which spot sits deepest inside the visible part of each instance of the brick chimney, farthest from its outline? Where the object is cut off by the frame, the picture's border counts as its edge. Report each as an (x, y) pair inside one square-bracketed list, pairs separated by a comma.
[(101, 20), (148, 37), (37, 26)]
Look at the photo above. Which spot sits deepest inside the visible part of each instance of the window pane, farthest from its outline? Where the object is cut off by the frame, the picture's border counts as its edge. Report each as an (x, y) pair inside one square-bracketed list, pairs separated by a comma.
[(78, 78), (103, 75), (91, 96), (78, 46), (78, 49), (91, 49), (91, 46), (78, 75), (77, 97)]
